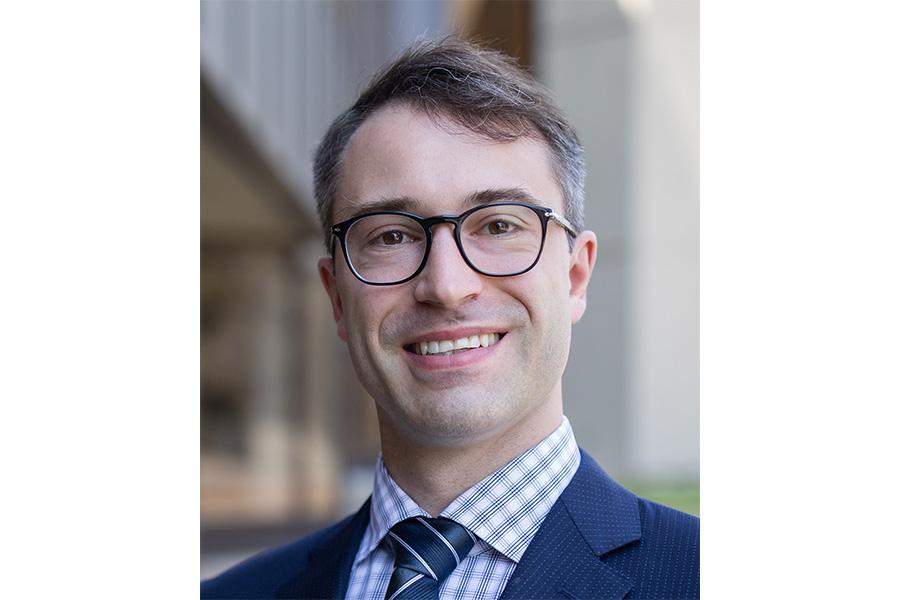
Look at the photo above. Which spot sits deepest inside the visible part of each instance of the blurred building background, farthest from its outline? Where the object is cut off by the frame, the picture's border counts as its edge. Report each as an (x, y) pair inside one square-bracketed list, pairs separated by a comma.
[(279, 455)]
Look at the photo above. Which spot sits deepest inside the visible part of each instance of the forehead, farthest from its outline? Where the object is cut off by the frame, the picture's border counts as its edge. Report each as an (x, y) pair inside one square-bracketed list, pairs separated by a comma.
[(400, 152)]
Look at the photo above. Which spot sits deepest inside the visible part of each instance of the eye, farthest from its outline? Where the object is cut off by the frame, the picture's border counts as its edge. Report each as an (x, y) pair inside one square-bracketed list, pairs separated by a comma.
[(500, 227), (391, 238)]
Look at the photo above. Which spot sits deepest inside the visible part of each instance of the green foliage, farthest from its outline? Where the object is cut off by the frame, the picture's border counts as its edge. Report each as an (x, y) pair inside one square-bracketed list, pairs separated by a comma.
[(681, 495)]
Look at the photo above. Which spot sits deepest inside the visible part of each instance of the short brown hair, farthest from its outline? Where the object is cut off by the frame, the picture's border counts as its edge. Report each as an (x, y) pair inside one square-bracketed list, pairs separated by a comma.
[(482, 90)]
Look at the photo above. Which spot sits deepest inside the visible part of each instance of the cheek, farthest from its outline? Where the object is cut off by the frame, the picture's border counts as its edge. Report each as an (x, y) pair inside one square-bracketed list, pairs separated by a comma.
[(544, 296), (362, 342), (360, 315), (367, 312), (554, 283), (551, 305)]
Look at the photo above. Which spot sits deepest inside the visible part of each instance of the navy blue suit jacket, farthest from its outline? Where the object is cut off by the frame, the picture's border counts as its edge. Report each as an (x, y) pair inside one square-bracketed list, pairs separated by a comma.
[(598, 541)]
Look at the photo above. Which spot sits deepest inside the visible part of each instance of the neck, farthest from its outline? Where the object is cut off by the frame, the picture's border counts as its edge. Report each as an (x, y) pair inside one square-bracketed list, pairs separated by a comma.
[(434, 476)]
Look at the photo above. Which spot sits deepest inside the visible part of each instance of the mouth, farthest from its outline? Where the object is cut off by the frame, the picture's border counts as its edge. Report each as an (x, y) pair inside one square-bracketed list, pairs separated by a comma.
[(449, 347)]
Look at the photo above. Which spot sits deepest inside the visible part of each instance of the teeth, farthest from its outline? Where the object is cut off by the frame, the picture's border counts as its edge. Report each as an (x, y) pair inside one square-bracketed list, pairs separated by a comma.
[(446, 346)]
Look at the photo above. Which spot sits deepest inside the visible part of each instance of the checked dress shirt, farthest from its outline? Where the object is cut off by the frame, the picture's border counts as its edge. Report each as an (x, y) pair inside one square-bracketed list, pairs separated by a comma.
[(503, 512)]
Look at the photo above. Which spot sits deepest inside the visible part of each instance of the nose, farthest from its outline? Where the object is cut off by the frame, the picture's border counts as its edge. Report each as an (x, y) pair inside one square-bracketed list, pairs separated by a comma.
[(446, 280)]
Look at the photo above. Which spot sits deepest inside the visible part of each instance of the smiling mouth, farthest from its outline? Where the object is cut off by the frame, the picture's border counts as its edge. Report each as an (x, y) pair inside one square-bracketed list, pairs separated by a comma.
[(448, 347)]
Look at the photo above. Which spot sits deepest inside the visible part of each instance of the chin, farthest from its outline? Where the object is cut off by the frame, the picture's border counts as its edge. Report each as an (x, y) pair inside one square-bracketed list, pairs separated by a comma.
[(452, 424)]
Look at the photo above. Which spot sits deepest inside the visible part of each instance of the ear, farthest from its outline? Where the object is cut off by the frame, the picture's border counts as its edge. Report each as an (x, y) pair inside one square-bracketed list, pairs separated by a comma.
[(327, 275), (581, 265)]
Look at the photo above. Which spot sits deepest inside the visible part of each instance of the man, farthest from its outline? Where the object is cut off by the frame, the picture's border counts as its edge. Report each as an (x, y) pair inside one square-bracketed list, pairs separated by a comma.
[(451, 197)]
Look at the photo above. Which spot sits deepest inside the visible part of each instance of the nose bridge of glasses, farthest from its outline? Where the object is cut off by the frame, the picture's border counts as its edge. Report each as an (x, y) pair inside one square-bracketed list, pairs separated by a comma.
[(431, 224)]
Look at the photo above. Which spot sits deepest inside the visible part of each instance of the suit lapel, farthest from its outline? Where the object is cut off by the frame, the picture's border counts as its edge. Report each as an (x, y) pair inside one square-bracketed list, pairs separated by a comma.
[(326, 571), (593, 516)]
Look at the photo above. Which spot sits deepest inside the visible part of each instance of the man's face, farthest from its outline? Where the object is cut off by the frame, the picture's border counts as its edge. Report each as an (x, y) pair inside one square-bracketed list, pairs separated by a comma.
[(475, 394)]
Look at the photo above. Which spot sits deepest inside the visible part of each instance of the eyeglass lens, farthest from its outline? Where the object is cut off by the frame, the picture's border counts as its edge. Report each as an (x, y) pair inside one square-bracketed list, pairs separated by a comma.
[(497, 239)]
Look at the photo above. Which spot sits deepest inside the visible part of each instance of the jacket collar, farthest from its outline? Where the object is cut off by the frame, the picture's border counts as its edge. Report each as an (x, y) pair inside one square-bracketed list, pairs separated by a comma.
[(326, 571), (593, 517)]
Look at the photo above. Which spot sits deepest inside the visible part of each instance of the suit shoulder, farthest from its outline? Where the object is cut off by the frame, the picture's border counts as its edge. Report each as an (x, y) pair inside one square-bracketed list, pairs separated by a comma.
[(262, 574), (666, 560), (662, 524)]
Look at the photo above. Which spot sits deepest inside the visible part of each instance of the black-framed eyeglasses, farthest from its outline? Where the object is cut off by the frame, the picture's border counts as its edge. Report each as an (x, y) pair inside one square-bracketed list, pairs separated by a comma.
[(501, 239)]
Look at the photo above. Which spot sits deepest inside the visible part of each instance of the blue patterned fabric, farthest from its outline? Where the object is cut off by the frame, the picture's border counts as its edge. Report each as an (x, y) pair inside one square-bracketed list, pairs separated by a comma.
[(598, 541), (426, 551)]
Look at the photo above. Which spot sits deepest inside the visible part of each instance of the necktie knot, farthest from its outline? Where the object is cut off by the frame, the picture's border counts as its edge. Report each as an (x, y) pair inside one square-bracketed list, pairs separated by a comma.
[(426, 551)]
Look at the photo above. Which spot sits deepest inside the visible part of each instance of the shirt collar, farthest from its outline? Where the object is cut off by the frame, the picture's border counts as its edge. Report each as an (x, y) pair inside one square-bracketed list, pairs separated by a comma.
[(504, 509)]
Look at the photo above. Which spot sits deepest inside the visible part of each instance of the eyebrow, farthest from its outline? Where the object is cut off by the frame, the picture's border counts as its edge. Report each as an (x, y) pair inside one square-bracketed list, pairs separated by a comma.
[(401, 203), (499, 195), (410, 204)]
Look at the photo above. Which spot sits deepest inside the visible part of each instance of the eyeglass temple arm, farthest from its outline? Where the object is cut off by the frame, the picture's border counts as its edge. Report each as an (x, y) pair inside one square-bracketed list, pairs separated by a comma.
[(334, 235), (553, 215)]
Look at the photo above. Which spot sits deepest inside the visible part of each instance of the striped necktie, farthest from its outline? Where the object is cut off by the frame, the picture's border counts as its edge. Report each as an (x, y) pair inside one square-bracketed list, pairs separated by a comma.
[(425, 553)]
